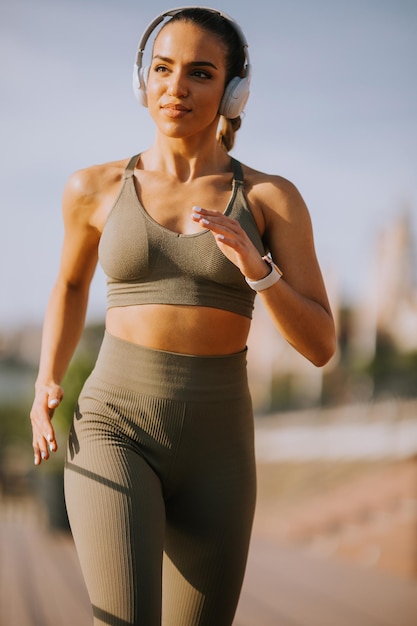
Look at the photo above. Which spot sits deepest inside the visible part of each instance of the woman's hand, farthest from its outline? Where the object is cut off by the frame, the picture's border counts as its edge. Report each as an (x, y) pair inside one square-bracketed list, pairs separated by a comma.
[(47, 399), (233, 241)]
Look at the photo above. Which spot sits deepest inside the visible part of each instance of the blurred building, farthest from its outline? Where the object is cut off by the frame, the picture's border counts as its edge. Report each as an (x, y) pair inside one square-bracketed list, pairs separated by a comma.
[(389, 306)]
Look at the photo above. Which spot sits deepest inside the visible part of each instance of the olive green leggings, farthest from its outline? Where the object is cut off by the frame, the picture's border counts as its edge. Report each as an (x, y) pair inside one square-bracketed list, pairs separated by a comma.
[(160, 486)]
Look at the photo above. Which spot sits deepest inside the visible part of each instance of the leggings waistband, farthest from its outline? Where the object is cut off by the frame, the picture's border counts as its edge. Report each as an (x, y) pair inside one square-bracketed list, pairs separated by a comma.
[(170, 374)]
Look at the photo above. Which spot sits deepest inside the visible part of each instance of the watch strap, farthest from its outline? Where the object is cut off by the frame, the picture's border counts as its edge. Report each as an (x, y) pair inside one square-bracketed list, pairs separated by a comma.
[(269, 280)]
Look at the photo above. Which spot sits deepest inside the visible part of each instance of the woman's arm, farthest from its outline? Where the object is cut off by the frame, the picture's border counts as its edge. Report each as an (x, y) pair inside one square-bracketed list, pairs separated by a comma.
[(66, 310), (297, 303)]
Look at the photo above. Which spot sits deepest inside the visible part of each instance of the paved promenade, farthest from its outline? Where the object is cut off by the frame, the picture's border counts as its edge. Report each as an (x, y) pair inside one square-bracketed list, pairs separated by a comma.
[(41, 585)]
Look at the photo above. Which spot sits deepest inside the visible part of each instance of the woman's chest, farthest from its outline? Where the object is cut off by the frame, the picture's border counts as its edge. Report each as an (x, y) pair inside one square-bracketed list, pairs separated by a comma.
[(171, 204)]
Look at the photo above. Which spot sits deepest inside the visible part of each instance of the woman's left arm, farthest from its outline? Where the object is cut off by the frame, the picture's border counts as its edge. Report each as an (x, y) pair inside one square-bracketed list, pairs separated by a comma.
[(298, 302)]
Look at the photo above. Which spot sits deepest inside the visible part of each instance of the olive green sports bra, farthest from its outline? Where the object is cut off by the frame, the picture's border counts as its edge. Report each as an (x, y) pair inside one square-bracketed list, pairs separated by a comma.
[(146, 263)]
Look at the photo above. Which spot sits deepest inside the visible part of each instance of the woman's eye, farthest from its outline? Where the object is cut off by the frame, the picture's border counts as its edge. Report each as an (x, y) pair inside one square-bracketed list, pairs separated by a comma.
[(201, 74)]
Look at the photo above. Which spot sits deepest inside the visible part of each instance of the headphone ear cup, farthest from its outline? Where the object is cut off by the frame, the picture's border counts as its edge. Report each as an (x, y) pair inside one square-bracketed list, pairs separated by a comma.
[(140, 77), (235, 97)]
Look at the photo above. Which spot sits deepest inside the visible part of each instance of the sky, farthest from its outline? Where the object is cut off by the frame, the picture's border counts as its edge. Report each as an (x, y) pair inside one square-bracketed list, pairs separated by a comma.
[(333, 108)]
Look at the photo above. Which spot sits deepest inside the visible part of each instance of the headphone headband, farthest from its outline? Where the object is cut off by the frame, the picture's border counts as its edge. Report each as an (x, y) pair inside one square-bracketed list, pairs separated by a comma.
[(236, 92)]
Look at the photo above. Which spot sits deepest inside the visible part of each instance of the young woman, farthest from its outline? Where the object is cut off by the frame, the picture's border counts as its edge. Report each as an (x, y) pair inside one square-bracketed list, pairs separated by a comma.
[(160, 474)]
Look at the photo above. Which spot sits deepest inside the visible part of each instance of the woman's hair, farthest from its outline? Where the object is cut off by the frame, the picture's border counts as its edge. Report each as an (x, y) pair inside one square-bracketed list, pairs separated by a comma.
[(235, 59)]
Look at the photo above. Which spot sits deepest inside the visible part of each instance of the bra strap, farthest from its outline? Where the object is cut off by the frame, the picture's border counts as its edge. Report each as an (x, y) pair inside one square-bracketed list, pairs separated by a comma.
[(130, 167), (237, 171)]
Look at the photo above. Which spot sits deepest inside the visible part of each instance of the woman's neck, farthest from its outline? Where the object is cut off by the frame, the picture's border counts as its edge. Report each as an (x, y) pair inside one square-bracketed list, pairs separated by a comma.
[(186, 160)]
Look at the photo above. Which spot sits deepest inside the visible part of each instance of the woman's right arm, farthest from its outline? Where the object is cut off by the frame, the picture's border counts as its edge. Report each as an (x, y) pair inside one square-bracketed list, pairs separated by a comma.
[(67, 306)]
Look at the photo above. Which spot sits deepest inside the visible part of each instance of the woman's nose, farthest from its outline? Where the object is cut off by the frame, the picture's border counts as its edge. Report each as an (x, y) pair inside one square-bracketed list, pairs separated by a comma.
[(177, 86)]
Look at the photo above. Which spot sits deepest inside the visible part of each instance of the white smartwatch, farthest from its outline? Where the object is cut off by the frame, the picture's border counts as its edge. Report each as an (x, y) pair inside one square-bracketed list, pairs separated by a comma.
[(269, 280)]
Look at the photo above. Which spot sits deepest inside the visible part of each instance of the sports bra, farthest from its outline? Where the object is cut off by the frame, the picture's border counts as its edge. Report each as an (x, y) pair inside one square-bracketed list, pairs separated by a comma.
[(146, 263)]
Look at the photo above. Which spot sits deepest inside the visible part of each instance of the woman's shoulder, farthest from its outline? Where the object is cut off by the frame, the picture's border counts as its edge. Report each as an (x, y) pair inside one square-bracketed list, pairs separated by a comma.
[(90, 191), (96, 178), (270, 190)]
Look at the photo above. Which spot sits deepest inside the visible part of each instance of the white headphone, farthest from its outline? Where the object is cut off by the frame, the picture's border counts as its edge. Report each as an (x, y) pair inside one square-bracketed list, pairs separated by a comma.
[(237, 90)]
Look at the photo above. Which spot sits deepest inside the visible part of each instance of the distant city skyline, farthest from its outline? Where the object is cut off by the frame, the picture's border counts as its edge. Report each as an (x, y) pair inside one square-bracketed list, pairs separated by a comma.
[(333, 108)]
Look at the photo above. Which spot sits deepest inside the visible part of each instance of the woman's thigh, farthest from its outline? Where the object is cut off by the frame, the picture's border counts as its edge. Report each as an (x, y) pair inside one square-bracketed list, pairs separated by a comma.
[(210, 515), (117, 516)]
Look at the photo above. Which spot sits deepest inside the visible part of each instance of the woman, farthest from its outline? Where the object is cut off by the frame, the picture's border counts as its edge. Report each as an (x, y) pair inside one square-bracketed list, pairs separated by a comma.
[(160, 475)]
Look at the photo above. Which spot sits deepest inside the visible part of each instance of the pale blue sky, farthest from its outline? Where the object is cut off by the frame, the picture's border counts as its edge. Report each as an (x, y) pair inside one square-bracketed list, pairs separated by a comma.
[(333, 108)]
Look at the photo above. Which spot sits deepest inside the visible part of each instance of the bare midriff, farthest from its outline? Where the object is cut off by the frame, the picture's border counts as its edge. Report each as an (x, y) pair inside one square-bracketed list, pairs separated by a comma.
[(182, 329)]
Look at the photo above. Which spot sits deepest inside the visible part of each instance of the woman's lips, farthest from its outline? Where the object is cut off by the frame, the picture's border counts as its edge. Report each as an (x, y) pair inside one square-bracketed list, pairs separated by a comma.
[(175, 110)]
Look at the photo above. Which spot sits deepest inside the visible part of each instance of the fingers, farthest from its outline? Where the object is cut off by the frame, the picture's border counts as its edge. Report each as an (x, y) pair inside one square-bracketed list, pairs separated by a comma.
[(227, 231), (223, 227), (40, 452), (44, 441), (53, 403), (232, 240), (42, 447)]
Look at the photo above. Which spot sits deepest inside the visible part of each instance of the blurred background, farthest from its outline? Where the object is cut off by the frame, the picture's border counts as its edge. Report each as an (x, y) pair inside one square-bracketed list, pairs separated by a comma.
[(334, 109)]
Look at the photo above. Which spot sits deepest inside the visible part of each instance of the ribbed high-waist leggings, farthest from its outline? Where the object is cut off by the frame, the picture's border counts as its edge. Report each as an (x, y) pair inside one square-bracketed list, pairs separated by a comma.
[(160, 486)]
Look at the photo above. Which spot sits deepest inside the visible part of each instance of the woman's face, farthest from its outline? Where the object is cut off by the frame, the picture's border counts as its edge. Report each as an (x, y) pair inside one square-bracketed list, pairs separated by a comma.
[(186, 80)]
